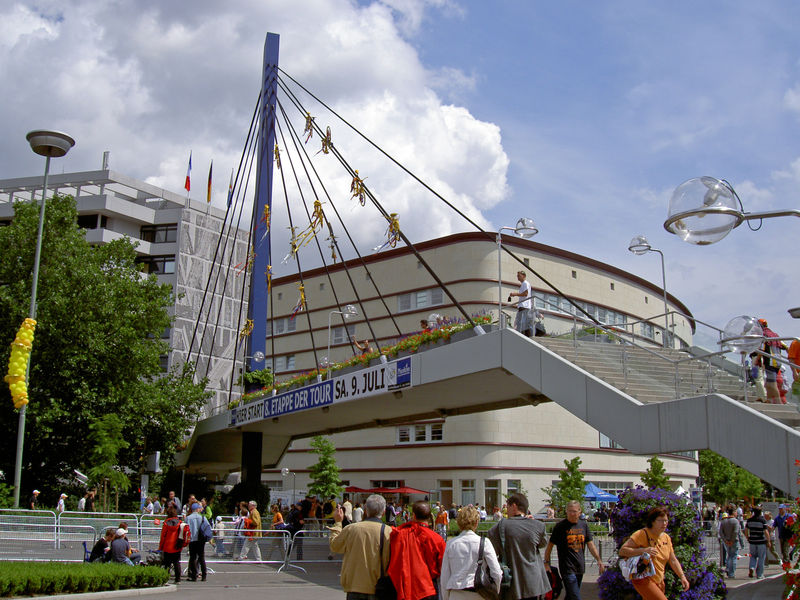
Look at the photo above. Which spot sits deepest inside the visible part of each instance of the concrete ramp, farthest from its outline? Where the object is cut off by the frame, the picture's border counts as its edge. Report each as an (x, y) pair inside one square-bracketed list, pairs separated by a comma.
[(505, 369)]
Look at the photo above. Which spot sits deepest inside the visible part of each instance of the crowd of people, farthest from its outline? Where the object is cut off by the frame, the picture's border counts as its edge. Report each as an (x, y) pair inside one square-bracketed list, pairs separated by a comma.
[(423, 563)]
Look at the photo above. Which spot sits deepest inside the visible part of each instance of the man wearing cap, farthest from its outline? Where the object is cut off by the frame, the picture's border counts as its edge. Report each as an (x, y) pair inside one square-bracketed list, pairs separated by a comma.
[(773, 348), (729, 530), (197, 554), (61, 507), (34, 500), (784, 532), (121, 548)]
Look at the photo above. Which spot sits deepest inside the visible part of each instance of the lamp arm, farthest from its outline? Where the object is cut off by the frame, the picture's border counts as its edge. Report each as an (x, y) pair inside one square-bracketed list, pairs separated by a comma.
[(768, 214)]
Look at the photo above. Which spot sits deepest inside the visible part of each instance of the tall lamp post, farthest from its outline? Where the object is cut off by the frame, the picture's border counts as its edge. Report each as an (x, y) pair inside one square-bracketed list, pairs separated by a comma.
[(286, 472), (349, 311), (50, 144), (525, 228), (639, 245)]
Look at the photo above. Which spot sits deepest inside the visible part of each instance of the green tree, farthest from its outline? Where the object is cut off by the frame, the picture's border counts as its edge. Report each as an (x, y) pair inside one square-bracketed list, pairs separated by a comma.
[(325, 480), (656, 475), (96, 349), (106, 439), (571, 486), (725, 481)]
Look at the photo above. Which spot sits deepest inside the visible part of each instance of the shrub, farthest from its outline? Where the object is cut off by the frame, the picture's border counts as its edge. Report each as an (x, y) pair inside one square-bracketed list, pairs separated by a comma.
[(47, 578), (685, 529)]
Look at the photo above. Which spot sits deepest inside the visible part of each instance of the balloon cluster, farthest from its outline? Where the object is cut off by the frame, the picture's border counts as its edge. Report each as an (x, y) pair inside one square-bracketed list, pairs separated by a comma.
[(18, 363)]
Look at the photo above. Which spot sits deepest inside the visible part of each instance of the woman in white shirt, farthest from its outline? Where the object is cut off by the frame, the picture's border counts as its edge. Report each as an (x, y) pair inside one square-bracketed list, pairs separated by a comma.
[(461, 559)]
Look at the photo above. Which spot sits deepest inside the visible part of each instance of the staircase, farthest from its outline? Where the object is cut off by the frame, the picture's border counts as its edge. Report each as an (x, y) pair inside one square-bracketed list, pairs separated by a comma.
[(660, 374)]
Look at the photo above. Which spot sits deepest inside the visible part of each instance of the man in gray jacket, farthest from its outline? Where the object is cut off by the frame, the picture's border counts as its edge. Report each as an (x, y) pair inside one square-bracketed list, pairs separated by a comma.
[(518, 540), (729, 531)]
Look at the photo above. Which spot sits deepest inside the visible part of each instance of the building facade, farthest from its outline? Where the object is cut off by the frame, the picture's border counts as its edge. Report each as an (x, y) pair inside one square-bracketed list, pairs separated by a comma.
[(177, 241), (480, 457)]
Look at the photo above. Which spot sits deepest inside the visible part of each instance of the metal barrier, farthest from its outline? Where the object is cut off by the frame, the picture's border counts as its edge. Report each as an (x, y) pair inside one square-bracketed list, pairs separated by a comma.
[(43, 542)]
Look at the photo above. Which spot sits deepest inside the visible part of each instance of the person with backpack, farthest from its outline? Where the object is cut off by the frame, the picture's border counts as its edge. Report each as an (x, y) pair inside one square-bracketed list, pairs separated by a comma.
[(175, 536), (200, 531)]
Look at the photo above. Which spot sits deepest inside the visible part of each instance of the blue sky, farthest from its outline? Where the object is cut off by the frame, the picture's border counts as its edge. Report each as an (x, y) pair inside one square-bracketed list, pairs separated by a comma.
[(582, 115)]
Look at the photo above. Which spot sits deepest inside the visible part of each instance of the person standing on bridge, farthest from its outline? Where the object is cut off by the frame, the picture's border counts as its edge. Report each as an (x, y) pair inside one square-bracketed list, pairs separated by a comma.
[(523, 322)]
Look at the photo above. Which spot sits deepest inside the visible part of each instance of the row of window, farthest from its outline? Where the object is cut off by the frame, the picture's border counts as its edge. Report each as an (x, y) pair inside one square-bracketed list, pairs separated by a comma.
[(607, 442), (420, 433), (545, 301), (160, 265), (421, 299), (159, 234)]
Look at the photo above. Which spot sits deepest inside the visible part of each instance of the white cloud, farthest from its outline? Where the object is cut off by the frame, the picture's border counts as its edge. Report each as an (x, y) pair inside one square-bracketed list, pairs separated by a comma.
[(791, 99)]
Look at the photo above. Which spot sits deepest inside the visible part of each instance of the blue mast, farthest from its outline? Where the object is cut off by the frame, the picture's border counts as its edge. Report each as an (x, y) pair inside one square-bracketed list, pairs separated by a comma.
[(259, 298)]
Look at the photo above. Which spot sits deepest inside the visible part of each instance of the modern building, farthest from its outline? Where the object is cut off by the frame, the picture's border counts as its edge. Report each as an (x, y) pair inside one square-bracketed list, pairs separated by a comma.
[(176, 240), (479, 457)]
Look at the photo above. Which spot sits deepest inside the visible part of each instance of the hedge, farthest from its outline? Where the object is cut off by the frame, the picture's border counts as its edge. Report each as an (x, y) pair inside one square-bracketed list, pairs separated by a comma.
[(48, 578)]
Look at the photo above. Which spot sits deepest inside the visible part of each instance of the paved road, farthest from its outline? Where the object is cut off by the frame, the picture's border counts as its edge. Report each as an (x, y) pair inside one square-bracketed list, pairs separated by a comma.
[(321, 582)]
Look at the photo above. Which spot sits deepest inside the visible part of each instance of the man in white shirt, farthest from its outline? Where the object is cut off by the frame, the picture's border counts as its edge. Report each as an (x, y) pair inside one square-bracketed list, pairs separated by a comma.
[(524, 319)]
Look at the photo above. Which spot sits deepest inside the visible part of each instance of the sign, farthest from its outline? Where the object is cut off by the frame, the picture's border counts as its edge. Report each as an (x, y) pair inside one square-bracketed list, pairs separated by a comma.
[(379, 379)]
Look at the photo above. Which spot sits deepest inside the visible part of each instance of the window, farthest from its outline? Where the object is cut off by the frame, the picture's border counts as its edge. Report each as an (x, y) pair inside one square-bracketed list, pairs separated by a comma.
[(647, 330), (421, 299), (321, 286), (87, 221), (387, 483), (574, 274), (646, 300), (285, 325), (467, 491), (282, 363), (163, 362), (420, 433), (527, 262), (280, 295), (607, 442), (339, 335), (491, 493), (159, 234), (513, 485), (445, 491), (614, 487), (160, 265), (612, 286)]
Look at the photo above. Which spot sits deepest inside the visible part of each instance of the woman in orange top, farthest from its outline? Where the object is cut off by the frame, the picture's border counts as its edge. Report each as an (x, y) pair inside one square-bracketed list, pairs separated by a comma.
[(277, 517), (654, 541)]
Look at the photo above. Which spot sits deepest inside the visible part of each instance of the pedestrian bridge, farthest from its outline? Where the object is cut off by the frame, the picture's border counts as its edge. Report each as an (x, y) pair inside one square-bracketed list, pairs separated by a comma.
[(502, 369)]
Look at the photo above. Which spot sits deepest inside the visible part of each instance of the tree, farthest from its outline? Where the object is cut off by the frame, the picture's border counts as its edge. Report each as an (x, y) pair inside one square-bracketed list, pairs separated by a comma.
[(656, 475), (725, 481), (571, 486), (325, 480), (96, 349), (106, 439)]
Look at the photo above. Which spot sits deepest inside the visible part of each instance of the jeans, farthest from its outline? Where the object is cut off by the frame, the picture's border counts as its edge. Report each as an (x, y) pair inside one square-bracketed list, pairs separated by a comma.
[(758, 554), (730, 558), (572, 585)]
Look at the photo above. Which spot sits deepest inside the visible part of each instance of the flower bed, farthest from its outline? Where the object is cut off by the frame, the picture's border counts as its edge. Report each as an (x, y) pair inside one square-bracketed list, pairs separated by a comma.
[(410, 344), (685, 529)]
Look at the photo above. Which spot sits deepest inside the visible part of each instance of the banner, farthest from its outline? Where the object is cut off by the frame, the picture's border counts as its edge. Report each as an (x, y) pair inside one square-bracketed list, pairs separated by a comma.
[(379, 379)]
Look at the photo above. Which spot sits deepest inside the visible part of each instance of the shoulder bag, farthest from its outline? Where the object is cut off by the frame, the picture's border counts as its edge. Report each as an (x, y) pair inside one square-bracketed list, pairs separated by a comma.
[(384, 588), (635, 567), (505, 581), (485, 584)]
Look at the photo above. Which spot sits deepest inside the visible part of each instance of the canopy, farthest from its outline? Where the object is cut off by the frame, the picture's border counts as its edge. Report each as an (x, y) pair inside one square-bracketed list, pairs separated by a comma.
[(356, 490), (595, 494), (405, 491)]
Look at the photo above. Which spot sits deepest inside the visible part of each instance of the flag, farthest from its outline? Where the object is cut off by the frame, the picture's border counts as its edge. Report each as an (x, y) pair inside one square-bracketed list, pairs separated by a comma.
[(188, 185), (208, 196), (230, 190)]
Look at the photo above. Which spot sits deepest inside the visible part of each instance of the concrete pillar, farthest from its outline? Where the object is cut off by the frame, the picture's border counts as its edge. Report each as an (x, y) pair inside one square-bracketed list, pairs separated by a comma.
[(252, 445)]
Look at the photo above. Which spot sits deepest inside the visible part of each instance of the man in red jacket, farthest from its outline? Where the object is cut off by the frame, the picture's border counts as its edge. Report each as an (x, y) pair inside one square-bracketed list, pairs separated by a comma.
[(416, 556)]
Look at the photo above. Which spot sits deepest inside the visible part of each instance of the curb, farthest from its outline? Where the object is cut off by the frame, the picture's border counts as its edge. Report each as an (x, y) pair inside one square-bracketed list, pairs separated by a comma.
[(164, 589)]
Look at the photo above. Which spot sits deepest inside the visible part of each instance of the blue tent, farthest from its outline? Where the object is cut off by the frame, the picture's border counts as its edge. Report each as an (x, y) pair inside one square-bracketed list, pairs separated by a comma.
[(595, 494)]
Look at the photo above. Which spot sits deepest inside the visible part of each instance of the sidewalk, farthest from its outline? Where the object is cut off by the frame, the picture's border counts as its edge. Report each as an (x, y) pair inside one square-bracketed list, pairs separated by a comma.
[(242, 581)]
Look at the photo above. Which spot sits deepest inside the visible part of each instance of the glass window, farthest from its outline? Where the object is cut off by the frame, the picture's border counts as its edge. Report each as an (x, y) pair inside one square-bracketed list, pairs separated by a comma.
[(513, 485), (421, 299), (437, 432), (339, 335), (420, 433), (607, 442), (491, 496), (403, 435), (159, 265), (159, 234), (467, 491)]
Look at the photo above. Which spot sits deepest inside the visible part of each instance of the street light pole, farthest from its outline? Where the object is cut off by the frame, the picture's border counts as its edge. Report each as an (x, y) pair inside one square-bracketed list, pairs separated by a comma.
[(639, 245), (525, 228), (48, 144)]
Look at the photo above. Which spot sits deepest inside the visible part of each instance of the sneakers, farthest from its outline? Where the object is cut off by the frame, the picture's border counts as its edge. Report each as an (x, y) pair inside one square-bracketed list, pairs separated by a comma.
[(751, 574)]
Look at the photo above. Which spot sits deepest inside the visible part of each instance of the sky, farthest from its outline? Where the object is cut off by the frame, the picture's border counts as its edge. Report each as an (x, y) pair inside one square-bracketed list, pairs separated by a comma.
[(583, 116)]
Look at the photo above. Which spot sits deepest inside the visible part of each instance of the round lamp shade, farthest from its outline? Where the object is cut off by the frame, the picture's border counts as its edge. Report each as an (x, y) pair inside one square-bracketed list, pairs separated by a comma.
[(703, 210), (743, 334), (50, 143)]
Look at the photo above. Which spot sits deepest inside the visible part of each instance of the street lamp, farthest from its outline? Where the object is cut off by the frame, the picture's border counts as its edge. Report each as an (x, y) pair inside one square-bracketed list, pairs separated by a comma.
[(639, 245), (349, 311), (286, 472), (50, 144), (704, 210), (744, 335), (526, 229)]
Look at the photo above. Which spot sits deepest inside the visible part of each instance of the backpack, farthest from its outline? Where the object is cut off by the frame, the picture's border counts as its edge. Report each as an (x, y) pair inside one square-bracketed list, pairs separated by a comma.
[(205, 533), (173, 529)]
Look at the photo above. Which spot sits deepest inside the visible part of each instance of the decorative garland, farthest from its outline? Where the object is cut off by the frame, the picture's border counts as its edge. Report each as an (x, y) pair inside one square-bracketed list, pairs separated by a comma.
[(18, 363)]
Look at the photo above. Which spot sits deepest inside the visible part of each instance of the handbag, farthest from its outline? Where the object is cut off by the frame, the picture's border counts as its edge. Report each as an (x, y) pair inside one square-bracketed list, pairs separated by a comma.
[(384, 588), (637, 567), (485, 584)]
